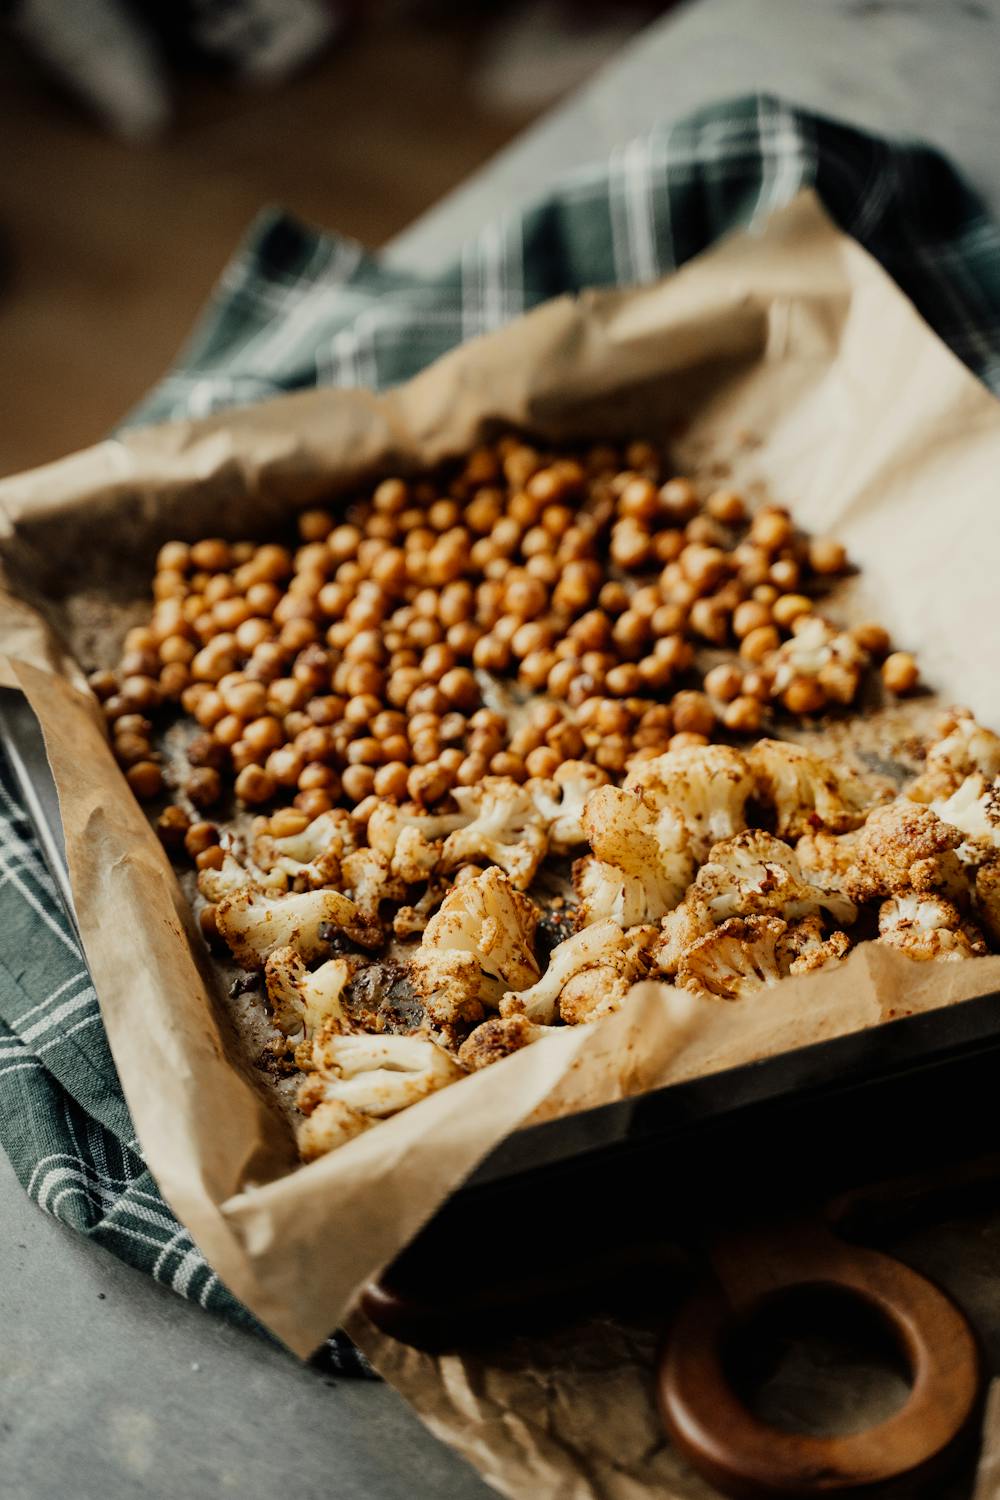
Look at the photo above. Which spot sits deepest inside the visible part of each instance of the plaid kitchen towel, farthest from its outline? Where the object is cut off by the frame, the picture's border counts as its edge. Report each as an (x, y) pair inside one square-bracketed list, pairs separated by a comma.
[(296, 308)]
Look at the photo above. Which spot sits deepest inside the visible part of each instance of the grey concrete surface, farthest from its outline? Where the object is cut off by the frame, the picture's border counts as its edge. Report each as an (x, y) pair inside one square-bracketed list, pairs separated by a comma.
[(110, 1386), (920, 67)]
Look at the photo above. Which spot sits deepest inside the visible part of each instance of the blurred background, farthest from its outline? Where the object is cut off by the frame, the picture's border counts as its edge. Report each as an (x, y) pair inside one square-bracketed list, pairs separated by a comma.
[(140, 137)]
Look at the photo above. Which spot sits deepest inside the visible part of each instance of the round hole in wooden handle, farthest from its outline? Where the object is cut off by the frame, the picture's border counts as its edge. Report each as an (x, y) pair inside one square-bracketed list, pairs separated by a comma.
[(746, 1457)]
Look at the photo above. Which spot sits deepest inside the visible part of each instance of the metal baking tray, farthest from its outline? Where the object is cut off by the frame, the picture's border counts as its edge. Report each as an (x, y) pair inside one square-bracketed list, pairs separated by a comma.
[(916, 1095)]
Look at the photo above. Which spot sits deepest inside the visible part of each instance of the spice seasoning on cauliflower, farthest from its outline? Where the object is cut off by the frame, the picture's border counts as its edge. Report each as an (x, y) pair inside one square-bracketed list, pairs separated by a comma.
[(641, 863), (963, 748), (905, 847), (928, 927), (706, 786), (809, 792), (505, 828), (601, 962)]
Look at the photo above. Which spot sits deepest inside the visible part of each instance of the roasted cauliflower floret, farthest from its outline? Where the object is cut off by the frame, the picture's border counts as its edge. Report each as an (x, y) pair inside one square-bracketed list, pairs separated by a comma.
[(964, 748), (928, 927), (499, 1037), (411, 921), (905, 847), (745, 954), (809, 792), (303, 1002), (817, 649), (367, 877), (605, 962), (255, 923), (987, 898), (757, 874), (974, 809), (642, 862), (561, 798), (827, 858), (488, 918), (452, 989), (308, 859), (734, 959), (502, 826), (706, 786), (329, 1122), (411, 840), (226, 881), (380, 1075), (679, 929)]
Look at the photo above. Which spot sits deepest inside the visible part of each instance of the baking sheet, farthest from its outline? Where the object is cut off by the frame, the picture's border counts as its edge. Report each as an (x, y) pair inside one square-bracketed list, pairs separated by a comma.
[(867, 427)]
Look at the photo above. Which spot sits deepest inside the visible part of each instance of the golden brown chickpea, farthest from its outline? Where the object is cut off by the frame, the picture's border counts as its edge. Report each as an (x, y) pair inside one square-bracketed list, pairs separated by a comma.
[(872, 638), (286, 823), (693, 713), (200, 836), (314, 802), (315, 744), (804, 695), (207, 924), (169, 586), (315, 525), (255, 785), (176, 648), (396, 747), (172, 826), (900, 673), (759, 643), (655, 673), (625, 680), (207, 750), (116, 707), (785, 573), (131, 748), (686, 739), (343, 543), (561, 675), (675, 651), (471, 771), (264, 734), (204, 786), (726, 506), (535, 668), (826, 556), (103, 684), (139, 664), (771, 529), (211, 859), (391, 780), (209, 708), (285, 764), (710, 620), (766, 594), (365, 751), (146, 780), (284, 694), (242, 697), (358, 782), (788, 608), (173, 679), (612, 753), (318, 777), (749, 616), (391, 497), (744, 715), (640, 500), (173, 557), (757, 685), (679, 499), (141, 693), (724, 682), (212, 554), (426, 784), (506, 763), (631, 547), (543, 761)]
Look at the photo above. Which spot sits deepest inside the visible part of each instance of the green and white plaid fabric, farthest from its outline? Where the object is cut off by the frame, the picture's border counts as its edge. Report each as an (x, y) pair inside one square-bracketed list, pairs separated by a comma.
[(296, 308)]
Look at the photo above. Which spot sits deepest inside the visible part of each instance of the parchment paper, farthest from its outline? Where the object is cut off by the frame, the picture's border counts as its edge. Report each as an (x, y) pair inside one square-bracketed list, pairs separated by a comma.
[(865, 425)]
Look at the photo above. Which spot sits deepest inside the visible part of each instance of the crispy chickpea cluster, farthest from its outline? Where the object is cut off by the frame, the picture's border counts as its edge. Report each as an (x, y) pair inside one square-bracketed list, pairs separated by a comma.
[(354, 666)]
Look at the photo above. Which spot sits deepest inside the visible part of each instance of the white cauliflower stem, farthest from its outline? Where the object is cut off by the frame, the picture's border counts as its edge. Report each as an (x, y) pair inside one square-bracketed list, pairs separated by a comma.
[(380, 1075), (226, 881), (974, 809), (810, 792), (605, 958), (411, 840), (706, 786), (560, 801), (964, 748), (642, 863), (503, 826), (254, 923), (310, 858)]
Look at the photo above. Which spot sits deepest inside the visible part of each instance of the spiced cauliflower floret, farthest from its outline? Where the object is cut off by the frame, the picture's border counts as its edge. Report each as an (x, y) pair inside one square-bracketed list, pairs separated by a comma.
[(561, 798), (974, 809), (367, 877), (329, 1122), (410, 839), (490, 919), (255, 923), (758, 874), (229, 878), (816, 649), (809, 792), (498, 1038), (746, 954), (310, 858), (963, 748), (641, 864), (591, 971), (906, 847), (302, 1001), (827, 858), (503, 826), (358, 1079), (705, 786), (452, 989), (928, 926), (987, 898)]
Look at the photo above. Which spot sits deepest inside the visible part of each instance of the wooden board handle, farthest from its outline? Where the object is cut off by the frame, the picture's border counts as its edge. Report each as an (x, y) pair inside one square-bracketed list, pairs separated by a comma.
[(746, 1457)]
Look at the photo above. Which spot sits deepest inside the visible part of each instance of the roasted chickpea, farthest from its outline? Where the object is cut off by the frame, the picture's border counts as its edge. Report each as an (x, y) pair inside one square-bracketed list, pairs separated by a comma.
[(788, 608), (872, 638), (826, 556), (759, 643), (172, 826), (900, 673), (146, 779), (200, 836), (204, 786), (358, 782), (744, 715), (804, 695), (693, 713)]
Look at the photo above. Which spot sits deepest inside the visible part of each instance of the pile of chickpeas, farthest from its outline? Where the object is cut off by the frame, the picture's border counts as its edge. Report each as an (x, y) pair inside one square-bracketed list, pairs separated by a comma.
[(352, 667)]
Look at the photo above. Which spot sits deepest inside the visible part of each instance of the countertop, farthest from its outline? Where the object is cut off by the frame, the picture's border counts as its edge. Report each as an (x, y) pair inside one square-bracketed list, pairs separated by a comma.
[(111, 1387)]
